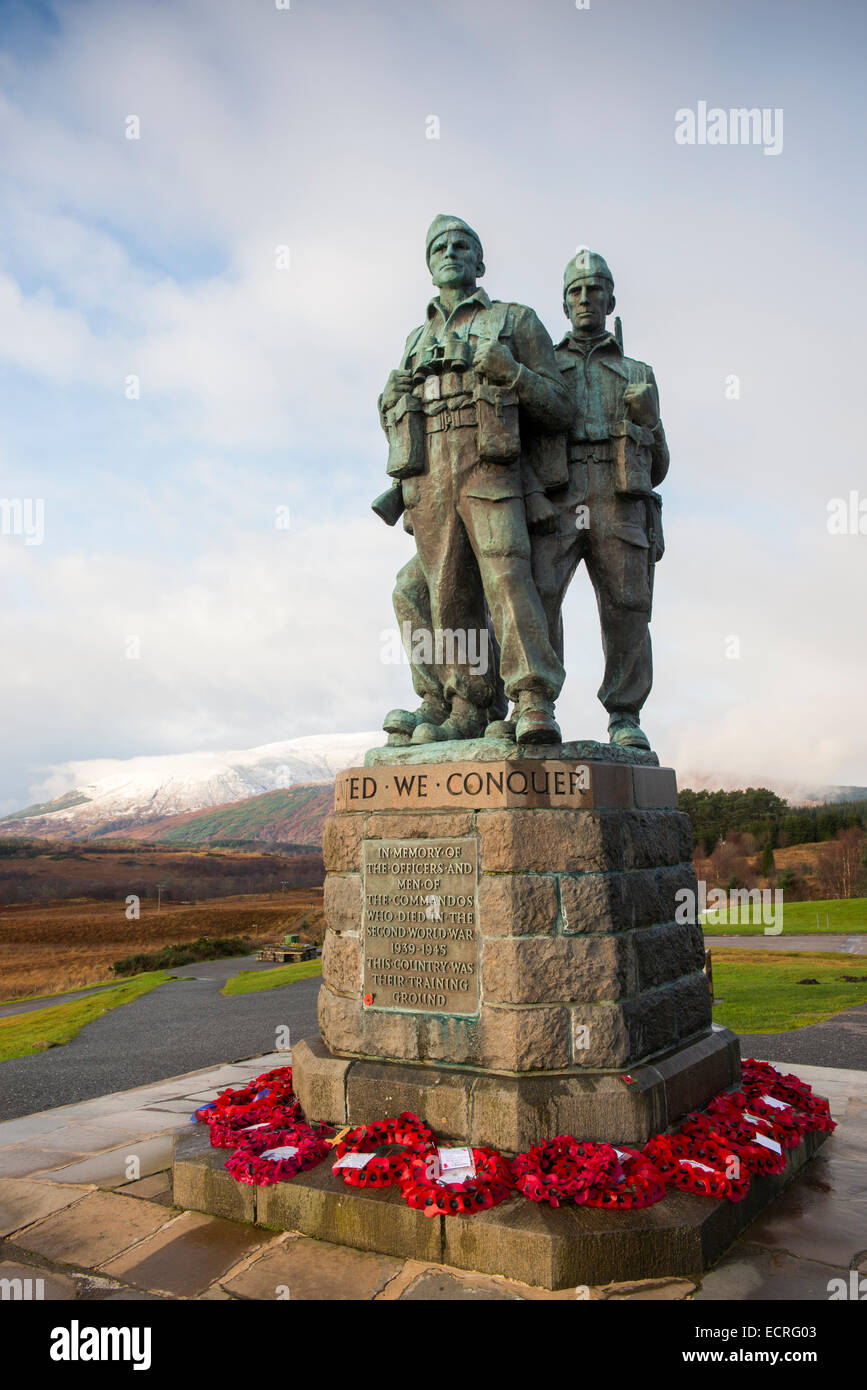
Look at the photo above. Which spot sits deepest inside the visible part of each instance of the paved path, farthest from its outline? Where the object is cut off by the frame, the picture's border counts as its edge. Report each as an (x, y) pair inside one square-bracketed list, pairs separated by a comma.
[(848, 945), (178, 1027), (27, 1006), (841, 1041)]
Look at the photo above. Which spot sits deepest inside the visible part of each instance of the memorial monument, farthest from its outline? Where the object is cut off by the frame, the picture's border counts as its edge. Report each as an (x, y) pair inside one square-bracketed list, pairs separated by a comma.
[(507, 953), (502, 943)]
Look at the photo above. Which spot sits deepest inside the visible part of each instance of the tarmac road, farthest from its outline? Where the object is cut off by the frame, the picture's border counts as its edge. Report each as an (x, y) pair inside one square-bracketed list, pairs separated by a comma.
[(29, 1006), (181, 1026), (841, 1041), (848, 945)]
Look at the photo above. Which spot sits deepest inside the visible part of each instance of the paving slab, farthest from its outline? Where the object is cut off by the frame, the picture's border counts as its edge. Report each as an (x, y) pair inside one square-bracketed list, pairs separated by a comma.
[(36, 1284), (23, 1201), (154, 1187), (749, 1273), (646, 1291), (78, 1138), (444, 1286), (142, 1122), (187, 1256), (314, 1269), (110, 1169), (30, 1127), (822, 1216), (183, 1107), (98, 1227), (22, 1160), (133, 1296)]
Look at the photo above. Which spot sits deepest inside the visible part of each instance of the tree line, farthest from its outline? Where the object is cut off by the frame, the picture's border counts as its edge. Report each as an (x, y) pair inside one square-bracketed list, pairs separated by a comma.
[(768, 818)]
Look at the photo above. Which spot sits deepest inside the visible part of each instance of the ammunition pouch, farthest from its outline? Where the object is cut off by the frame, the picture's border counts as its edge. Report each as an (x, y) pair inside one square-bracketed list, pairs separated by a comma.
[(497, 415), (631, 459), (390, 504), (404, 425)]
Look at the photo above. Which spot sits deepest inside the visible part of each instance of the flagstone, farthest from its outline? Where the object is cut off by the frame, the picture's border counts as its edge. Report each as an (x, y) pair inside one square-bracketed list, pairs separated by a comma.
[(822, 1216), (227, 1076), (185, 1105), (442, 1286), (54, 1286), (154, 1187), (645, 1291), (110, 1169), (751, 1274), (22, 1160), (189, 1255), (87, 1109), (80, 1138), (28, 1127), (24, 1201), (134, 1122), (133, 1296), (314, 1269), (98, 1227)]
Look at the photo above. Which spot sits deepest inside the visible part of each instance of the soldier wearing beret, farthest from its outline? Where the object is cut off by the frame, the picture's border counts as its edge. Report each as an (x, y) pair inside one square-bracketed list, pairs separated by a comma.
[(476, 406)]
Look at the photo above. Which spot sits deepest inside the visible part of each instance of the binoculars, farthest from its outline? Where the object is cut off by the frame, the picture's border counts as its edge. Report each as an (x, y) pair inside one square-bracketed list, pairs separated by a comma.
[(453, 355)]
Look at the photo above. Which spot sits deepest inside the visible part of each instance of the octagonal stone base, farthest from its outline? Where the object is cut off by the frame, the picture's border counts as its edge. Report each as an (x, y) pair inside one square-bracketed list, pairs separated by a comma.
[(513, 1112), (553, 1248)]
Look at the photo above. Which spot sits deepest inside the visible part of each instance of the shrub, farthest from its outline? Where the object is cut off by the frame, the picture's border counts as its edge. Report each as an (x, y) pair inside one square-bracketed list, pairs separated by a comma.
[(169, 957)]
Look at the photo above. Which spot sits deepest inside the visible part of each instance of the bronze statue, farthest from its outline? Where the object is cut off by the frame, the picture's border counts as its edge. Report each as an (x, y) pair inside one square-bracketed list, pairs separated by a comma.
[(475, 416), (478, 417), (609, 515)]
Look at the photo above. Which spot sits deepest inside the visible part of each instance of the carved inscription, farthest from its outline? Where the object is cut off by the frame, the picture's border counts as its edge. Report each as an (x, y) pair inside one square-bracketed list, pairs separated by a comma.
[(421, 945), (483, 786)]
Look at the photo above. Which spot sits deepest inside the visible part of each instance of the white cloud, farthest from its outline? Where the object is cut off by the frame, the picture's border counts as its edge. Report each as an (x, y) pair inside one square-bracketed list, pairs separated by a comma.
[(156, 257)]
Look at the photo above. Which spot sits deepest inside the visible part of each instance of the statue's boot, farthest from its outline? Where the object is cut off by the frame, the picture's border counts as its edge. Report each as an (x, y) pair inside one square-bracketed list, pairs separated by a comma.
[(626, 732), (400, 724), (536, 722), (465, 720), (501, 728)]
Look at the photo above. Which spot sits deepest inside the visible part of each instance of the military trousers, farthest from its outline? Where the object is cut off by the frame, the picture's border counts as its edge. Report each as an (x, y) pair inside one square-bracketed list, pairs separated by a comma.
[(474, 559), (609, 533), (412, 607)]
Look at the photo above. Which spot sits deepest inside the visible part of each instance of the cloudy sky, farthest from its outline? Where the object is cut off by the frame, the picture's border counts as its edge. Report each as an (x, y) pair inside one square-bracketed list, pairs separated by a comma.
[(165, 609)]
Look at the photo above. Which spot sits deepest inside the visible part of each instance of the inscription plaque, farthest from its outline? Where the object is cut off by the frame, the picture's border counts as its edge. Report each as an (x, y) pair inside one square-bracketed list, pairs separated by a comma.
[(421, 943)]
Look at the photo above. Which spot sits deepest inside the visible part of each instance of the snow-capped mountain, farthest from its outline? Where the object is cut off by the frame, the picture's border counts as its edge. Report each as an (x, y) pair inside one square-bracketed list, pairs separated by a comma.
[(103, 793), (97, 796)]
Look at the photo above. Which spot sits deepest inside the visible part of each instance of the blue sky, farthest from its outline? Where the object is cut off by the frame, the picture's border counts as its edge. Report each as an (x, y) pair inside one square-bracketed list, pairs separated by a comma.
[(306, 128)]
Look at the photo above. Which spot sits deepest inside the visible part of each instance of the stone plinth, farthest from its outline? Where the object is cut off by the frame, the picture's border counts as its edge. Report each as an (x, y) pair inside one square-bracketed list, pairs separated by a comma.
[(554, 1248), (502, 945)]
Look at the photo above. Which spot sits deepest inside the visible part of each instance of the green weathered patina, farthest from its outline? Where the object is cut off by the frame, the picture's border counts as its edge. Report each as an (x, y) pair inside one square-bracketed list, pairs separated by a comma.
[(510, 464)]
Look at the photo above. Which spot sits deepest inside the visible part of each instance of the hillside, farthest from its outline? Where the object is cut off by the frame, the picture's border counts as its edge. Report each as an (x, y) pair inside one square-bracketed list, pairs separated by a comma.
[(115, 797), (36, 872), (293, 816), (66, 945)]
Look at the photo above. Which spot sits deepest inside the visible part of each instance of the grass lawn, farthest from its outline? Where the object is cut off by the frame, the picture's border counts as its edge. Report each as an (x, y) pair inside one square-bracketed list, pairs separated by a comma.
[(251, 981), (23, 1034), (847, 916), (760, 993)]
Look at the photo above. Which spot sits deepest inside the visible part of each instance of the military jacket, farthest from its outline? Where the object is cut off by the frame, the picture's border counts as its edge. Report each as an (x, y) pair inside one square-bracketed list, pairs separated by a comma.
[(597, 379), (545, 407)]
